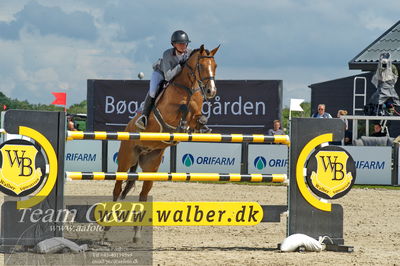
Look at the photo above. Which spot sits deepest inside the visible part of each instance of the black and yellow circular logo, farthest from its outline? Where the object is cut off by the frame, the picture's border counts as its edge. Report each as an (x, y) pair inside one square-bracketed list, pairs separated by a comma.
[(23, 167), (331, 172)]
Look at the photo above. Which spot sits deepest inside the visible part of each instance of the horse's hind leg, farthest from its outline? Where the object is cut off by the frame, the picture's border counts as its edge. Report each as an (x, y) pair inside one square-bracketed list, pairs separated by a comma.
[(127, 158), (129, 183), (149, 163), (117, 190)]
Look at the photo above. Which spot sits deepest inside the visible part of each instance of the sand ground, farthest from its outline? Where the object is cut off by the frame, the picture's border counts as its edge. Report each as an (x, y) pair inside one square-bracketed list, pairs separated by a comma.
[(371, 225)]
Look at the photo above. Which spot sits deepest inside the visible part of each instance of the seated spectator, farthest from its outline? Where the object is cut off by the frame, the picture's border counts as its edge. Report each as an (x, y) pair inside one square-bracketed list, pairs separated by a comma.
[(70, 124), (378, 131), (321, 112), (348, 137), (277, 129)]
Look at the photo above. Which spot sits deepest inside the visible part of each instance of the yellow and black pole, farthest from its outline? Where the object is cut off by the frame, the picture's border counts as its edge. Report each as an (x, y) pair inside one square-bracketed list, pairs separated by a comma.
[(185, 177), (179, 137)]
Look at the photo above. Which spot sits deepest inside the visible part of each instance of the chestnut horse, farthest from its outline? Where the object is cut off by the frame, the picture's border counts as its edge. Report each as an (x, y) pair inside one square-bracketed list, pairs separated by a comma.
[(179, 109)]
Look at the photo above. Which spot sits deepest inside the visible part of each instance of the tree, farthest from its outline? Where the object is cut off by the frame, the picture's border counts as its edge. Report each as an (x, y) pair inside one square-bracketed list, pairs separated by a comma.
[(80, 108)]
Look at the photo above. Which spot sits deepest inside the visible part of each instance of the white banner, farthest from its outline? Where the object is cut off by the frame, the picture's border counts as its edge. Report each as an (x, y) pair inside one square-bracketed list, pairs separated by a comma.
[(268, 159), (112, 163), (83, 156), (373, 164), (208, 158)]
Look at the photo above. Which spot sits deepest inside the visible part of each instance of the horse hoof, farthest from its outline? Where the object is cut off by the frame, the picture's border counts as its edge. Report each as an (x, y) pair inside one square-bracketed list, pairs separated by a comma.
[(137, 234), (107, 228), (141, 123)]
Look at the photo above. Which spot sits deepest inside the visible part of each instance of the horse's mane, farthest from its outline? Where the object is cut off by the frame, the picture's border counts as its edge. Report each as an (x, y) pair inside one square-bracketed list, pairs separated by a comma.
[(198, 49), (192, 53)]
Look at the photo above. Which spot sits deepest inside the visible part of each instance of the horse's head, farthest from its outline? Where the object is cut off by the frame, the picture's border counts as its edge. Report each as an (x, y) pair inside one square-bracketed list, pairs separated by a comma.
[(203, 64)]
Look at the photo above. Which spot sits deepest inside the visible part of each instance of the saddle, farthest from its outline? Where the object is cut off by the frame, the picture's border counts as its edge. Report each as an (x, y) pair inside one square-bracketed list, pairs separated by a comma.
[(161, 88), (183, 109), (164, 126)]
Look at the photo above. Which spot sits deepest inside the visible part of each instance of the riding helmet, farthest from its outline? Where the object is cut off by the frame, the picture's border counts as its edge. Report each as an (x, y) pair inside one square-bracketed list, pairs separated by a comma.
[(180, 36)]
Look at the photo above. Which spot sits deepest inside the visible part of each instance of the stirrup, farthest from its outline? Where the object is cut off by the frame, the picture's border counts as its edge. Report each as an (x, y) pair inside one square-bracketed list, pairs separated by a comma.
[(141, 123)]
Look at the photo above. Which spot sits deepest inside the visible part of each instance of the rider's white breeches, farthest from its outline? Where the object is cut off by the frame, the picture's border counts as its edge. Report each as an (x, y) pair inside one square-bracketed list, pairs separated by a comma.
[(155, 80)]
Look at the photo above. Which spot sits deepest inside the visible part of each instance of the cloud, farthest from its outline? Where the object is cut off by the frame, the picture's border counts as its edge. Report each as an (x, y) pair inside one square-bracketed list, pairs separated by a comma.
[(37, 65), (50, 45), (49, 21), (259, 34), (295, 78)]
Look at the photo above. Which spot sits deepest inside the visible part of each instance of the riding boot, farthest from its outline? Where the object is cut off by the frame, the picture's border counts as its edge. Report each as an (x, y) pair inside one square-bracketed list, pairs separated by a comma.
[(204, 128), (147, 107)]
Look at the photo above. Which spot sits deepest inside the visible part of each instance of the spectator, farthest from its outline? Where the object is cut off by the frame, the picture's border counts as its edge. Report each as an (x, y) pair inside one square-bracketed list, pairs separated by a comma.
[(339, 115), (277, 129), (70, 124), (321, 112), (347, 133), (378, 131)]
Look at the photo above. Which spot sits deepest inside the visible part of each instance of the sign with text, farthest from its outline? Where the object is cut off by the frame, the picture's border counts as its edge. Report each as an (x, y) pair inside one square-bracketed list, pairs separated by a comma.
[(208, 158), (241, 106), (373, 164), (112, 160), (268, 159), (83, 155)]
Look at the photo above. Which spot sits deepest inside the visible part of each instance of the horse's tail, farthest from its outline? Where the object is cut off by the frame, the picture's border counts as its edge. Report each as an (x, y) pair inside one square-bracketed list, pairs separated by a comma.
[(129, 183)]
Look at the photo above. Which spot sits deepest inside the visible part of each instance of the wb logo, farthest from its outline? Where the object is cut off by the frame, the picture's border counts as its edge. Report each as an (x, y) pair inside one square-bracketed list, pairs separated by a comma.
[(330, 172), (332, 166), (188, 160), (22, 167), (18, 160)]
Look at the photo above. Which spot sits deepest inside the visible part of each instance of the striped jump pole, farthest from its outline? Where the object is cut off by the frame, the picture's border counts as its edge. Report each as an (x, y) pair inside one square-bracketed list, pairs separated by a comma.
[(154, 176), (180, 137)]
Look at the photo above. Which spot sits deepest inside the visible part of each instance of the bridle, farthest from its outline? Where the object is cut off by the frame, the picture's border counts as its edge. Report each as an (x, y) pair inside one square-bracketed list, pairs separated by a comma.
[(200, 81), (193, 78)]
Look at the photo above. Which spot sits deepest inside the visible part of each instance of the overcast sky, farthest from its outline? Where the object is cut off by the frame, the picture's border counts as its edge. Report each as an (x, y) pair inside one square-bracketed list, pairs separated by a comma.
[(51, 45)]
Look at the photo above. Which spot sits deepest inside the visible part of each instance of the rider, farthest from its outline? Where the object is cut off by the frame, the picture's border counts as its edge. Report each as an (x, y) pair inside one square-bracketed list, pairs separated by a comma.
[(166, 68)]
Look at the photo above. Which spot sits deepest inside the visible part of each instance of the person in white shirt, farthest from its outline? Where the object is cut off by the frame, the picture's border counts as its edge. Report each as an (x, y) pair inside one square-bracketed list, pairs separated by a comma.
[(321, 112)]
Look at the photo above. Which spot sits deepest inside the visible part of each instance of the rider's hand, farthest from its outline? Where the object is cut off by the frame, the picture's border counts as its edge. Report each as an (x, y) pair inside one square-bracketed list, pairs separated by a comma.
[(182, 63)]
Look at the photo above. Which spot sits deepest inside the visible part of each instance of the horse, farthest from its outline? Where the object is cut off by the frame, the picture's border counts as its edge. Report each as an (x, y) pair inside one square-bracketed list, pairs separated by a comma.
[(178, 108)]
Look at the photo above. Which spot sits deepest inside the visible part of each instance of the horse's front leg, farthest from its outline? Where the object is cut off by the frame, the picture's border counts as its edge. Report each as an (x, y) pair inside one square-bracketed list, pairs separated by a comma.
[(197, 121)]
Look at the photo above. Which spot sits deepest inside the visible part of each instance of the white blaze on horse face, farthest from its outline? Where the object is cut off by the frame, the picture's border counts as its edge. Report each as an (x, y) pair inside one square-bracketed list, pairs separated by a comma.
[(211, 88)]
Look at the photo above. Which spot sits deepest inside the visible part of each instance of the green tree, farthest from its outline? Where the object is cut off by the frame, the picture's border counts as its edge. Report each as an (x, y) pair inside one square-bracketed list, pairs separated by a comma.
[(25, 105), (79, 108)]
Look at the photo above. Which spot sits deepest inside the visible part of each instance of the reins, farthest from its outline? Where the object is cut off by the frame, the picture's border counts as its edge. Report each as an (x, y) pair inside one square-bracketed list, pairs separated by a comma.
[(200, 81)]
